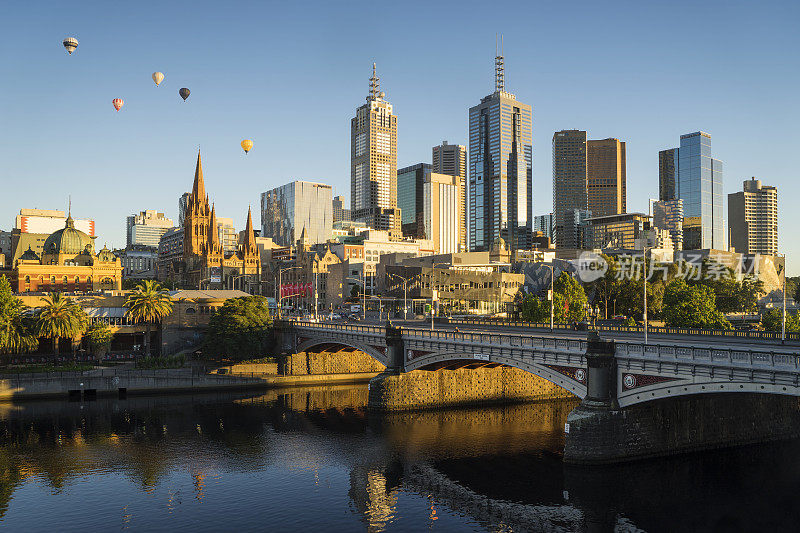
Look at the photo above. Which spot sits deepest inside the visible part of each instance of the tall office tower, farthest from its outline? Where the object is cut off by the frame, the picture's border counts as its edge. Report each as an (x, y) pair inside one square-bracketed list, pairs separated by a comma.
[(545, 224), (570, 182), (451, 159), (300, 205), (605, 173), (667, 171), (753, 218), (146, 228), (430, 204), (668, 215), (182, 203), (699, 185), (340, 213), (373, 163), (228, 236), (500, 169)]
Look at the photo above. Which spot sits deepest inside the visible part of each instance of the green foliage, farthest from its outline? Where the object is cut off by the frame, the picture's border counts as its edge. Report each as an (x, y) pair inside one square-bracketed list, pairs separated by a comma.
[(60, 317), (149, 304), (16, 326), (241, 329), (155, 363), (569, 299), (98, 336), (36, 369), (793, 287), (631, 321), (731, 295), (772, 321), (534, 309), (692, 306)]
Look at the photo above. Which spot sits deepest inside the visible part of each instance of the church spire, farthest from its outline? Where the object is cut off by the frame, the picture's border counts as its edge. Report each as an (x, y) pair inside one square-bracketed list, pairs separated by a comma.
[(199, 188), (249, 234), (213, 232)]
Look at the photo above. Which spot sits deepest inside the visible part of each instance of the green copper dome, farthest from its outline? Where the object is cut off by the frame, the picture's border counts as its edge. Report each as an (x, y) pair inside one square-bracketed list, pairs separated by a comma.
[(68, 240)]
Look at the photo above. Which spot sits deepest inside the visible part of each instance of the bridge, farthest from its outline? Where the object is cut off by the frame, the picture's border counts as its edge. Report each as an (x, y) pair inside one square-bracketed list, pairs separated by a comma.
[(735, 391)]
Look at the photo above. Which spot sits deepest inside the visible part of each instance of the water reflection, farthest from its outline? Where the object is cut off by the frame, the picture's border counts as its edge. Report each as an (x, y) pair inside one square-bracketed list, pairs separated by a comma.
[(306, 459)]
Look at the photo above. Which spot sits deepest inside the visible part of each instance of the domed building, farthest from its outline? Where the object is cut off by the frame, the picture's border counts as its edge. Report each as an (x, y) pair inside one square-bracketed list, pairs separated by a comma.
[(68, 264)]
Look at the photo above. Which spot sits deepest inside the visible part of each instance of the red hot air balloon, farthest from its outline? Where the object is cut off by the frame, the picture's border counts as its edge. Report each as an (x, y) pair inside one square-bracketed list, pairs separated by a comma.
[(184, 92), (118, 103)]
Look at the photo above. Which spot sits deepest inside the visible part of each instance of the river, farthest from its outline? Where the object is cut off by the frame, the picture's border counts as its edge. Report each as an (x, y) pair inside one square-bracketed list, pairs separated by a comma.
[(315, 460)]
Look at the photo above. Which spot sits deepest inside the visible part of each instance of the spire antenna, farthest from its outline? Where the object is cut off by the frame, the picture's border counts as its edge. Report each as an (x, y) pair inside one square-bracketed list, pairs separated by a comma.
[(374, 85), (499, 67)]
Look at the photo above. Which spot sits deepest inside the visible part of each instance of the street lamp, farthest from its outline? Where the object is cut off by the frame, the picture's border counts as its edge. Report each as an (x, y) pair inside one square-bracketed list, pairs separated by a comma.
[(405, 294), (783, 318), (552, 294), (433, 282), (644, 273), (363, 294)]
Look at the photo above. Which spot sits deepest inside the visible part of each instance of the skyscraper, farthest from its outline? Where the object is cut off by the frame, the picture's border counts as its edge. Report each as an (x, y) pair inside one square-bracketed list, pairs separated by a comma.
[(699, 185), (340, 213), (373, 167), (430, 204), (570, 181), (668, 215), (300, 205), (753, 218), (182, 202), (146, 228), (606, 176), (451, 159), (667, 171), (500, 168)]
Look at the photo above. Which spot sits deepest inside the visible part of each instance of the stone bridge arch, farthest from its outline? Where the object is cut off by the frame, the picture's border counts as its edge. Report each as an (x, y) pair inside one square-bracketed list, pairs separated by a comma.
[(377, 352)]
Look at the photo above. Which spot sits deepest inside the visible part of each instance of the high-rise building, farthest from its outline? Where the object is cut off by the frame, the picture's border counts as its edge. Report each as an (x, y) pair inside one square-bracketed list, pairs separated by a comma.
[(606, 177), (699, 185), (182, 203), (574, 229), (753, 218), (228, 236), (430, 204), (667, 171), (340, 213), (146, 228), (373, 162), (545, 224), (500, 169), (615, 231), (570, 182), (668, 215), (300, 205), (451, 159)]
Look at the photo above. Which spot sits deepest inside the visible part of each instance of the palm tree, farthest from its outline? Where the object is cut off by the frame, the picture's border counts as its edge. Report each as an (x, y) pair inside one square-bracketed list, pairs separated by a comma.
[(60, 317), (16, 333), (148, 304)]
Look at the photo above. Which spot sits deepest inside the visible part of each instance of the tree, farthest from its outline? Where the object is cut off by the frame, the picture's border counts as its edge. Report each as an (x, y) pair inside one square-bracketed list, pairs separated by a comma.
[(98, 336), (16, 324), (773, 321), (60, 317), (569, 299), (240, 329), (149, 304), (535, 309), (606, 288), (692, 307)]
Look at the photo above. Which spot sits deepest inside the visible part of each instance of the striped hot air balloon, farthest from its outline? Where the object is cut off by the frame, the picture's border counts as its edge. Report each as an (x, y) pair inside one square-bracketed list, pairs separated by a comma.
[(247, 145), (158, 77), (118, 103), (70, 43)]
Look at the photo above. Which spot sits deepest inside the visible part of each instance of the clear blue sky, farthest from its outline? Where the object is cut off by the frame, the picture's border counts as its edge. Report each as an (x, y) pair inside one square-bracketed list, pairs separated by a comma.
[(290, 75)]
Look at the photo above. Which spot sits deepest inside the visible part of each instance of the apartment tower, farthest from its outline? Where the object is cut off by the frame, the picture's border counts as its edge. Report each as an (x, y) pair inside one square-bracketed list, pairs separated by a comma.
[(753, 218), (570, 182), (605, 173), (500, 169), (373, 168), (451, 159)]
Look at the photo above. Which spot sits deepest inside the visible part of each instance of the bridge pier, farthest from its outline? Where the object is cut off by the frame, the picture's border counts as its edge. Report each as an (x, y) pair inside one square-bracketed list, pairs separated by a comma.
[(598, 431)]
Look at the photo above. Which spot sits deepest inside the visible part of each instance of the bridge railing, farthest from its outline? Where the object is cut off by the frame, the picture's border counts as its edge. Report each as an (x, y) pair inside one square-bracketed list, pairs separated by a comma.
[(351, 328), (747, 358), (763, 335)]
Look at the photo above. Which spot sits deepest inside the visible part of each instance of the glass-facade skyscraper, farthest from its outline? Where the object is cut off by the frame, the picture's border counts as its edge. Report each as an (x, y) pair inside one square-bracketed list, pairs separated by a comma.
[(699, 184), (287, 210), (500, 169)]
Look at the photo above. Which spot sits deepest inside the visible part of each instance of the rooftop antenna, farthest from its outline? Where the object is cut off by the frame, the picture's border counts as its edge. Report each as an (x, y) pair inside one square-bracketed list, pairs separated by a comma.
[(499, 66), (374, 85)]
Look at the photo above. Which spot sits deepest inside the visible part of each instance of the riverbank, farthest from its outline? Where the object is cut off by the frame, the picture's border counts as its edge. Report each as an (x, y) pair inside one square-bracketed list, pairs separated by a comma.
[(114, 382)]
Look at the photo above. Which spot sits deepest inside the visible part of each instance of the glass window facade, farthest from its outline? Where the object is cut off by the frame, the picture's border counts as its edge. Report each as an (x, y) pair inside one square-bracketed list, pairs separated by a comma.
[(699, 185), (287, 210)]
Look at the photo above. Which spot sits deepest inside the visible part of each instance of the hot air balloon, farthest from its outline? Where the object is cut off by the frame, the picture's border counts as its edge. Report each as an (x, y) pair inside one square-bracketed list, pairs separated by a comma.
[(117, 102), (158, 77), (184, 92), (247, 145), (70, 43)]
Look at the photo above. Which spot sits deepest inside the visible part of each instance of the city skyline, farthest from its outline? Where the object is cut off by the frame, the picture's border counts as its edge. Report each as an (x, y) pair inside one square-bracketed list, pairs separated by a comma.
[(648, 117)]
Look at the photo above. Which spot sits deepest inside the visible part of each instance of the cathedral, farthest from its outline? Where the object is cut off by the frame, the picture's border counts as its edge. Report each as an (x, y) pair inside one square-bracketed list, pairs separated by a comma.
[(204, 263)]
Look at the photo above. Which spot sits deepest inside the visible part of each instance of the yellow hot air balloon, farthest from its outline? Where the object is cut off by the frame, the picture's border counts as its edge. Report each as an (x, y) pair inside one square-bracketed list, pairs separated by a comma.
[(158, 77), (247, 145)]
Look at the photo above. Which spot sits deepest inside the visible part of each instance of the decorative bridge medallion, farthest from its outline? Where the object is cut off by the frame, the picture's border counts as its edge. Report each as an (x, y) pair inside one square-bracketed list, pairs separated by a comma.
[(413, 354), (576, 373), (633, 381)]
